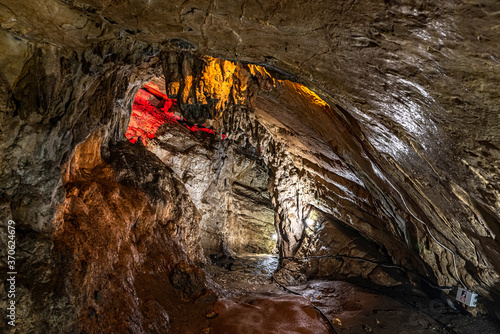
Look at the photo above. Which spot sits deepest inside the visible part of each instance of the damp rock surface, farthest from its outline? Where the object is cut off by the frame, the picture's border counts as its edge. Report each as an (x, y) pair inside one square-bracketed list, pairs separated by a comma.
[(228, 185), (116, 212), (353, 309), (286, 314)]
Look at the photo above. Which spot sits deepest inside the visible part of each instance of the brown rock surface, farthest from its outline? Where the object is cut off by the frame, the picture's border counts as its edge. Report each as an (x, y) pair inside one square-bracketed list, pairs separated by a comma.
[(292, 129), (287, 314), (124, 224)]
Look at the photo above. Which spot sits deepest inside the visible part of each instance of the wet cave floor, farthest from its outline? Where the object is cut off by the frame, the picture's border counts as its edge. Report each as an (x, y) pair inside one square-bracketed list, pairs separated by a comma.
[(250, 302)]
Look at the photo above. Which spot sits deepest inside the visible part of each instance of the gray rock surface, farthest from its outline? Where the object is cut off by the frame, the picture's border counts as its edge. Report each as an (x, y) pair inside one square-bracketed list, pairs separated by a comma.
[(227, 184)]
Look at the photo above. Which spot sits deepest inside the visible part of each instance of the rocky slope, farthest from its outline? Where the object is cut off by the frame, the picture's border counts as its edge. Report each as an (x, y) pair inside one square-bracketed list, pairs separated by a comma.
[(125, 223)]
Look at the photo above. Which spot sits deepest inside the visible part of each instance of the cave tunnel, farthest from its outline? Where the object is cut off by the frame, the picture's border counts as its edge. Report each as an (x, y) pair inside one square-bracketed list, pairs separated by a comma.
[(230, 167)]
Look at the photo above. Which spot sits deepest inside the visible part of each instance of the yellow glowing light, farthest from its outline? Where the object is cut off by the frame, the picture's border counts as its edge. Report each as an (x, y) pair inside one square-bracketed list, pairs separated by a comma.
[(254, 69), (309, 94)]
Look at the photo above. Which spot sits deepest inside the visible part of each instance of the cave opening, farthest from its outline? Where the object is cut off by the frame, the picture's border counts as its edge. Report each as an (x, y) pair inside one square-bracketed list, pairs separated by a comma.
[(223, 197), (284, 158), (233, 195), (227, 183)]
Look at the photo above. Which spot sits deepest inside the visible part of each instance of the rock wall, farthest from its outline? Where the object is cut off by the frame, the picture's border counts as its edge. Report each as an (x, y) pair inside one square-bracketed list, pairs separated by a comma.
[(335, 250), (305, 169), (320, 156), (125, 223), (227, 184), (55, 98), (250, 222)]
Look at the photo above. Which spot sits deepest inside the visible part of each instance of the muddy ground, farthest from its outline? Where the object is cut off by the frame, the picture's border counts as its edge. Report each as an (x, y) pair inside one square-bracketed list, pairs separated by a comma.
[(251, 302)]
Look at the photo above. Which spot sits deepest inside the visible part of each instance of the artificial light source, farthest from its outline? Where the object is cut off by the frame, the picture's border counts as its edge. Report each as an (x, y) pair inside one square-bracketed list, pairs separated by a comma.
[(310, 222), (275, 236)]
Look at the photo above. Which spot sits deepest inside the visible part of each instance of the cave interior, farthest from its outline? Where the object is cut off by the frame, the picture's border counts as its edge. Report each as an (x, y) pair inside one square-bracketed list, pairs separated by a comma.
[(164, 178)]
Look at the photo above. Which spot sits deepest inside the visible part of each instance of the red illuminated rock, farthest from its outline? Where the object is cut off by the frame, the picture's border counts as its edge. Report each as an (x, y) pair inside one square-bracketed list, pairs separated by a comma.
[(150, 110)]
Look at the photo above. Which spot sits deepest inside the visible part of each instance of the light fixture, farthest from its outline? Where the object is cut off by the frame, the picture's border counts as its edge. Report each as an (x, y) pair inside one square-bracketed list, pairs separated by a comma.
[(310, 222), (275, 236)]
